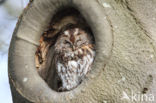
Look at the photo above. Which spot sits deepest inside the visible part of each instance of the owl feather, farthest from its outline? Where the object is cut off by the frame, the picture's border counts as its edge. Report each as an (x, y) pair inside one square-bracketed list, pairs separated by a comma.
[(74, 54)]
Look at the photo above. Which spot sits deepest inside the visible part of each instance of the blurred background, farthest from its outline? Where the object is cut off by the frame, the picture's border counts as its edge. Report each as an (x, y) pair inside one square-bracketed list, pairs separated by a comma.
[(10, 10)]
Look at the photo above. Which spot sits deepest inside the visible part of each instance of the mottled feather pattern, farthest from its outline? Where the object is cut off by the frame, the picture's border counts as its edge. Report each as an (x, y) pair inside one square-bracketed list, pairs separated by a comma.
[(74, 54), (66, 51)]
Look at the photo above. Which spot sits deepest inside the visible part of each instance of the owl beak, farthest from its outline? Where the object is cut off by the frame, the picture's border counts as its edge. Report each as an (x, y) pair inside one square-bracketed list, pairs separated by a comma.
[(73, 47)]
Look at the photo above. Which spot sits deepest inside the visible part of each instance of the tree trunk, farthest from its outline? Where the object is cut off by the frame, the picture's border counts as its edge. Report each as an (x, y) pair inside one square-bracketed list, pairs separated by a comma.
[(124, 68)]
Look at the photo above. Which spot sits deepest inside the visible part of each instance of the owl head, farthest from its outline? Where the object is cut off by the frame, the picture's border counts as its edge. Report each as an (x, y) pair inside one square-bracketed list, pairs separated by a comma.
[(71, 39)]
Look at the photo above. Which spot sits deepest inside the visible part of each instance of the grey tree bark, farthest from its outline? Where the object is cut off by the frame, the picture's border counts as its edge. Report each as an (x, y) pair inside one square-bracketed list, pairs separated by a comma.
[(125, 62)]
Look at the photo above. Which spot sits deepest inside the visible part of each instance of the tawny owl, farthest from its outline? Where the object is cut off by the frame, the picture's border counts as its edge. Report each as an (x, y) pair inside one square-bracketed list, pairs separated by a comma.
[(74, 54)]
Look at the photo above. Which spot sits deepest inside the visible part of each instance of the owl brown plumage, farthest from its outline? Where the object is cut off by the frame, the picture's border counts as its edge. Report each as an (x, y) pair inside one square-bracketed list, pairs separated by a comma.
[(74, 54), (66, 51)]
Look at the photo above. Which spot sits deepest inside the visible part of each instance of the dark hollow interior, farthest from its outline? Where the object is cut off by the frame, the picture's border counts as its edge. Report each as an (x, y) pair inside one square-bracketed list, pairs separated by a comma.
[(47, 69)]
